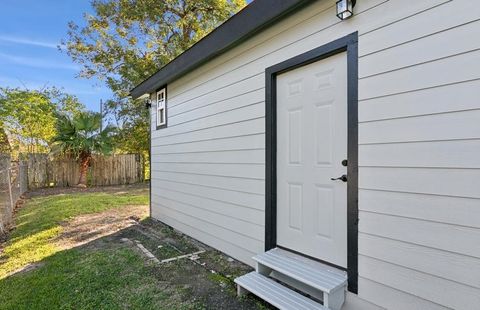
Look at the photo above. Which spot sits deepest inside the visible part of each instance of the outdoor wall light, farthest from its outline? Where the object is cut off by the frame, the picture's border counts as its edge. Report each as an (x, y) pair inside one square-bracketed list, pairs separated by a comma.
[(148, 103), (345, 8)]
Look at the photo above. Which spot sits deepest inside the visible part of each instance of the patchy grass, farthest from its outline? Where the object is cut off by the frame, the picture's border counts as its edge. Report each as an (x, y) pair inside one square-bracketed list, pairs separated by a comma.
[(115, 278), (73, 270), (39, 222)]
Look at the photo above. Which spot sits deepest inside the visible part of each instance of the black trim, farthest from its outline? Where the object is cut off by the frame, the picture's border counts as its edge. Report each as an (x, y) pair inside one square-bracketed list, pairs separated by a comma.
[(347, 44), (312, 258), (256, 16), (166, 108), (150, 161)]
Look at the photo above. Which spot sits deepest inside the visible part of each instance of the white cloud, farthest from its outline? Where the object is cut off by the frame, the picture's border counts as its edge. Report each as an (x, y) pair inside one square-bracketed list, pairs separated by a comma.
[(37, 62), (27, 41)]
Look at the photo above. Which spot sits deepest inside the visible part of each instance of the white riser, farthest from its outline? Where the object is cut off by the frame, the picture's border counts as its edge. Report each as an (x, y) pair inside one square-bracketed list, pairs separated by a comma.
[(275, 293), (316, 275), (312, 278)]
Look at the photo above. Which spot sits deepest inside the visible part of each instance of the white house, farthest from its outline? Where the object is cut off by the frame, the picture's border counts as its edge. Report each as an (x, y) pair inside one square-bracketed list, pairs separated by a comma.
[(343, 154)]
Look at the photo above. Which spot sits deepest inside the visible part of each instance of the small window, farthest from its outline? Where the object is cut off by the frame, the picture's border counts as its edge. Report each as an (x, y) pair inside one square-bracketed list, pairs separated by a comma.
[(161, 109)]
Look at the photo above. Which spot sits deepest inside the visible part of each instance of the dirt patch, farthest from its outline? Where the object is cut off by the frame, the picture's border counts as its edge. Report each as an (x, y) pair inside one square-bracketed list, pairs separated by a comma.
[(206, 278), (86, 228)]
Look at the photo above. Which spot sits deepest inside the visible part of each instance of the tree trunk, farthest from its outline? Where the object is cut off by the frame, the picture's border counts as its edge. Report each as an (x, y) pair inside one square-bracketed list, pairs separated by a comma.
[(84, 163)]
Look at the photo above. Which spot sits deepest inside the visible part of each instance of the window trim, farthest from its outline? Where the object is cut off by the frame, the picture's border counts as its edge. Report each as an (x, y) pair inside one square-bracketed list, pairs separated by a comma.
[(161, 108)]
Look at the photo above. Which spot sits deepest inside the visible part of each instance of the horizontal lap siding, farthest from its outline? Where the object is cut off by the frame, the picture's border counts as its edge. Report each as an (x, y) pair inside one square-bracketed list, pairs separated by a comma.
[(419, 140)]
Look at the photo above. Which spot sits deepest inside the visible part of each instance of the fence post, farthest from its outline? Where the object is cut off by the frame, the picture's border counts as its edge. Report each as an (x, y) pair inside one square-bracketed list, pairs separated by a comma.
[(9, 179)]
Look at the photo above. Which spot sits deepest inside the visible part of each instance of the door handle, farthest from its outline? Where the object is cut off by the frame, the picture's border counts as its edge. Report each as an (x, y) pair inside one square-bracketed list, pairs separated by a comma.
[(342, 178)]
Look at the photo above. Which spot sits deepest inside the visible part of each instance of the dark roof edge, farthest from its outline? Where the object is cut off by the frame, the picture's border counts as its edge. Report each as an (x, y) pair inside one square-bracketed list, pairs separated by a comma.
[(256, 16)]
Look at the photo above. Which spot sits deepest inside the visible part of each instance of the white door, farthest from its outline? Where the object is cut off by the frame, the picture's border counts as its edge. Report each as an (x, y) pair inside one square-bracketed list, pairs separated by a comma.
[(311, 145)]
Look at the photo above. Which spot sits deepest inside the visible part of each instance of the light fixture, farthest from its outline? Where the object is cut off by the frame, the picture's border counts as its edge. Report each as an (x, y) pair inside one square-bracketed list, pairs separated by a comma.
[(345, 8), (148, 103)]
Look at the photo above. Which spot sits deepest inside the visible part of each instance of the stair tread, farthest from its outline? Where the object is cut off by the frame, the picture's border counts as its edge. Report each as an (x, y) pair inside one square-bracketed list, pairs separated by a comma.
[(275, 293), (314, 274)]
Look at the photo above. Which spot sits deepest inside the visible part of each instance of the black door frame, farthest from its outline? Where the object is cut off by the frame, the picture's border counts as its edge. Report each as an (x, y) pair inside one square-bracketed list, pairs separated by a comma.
[(347, 44)]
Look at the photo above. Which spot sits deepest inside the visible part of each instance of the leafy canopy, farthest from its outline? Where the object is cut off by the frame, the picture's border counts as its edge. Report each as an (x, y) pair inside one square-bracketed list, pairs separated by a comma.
[(80, 136), (28, 117), (126, 41)]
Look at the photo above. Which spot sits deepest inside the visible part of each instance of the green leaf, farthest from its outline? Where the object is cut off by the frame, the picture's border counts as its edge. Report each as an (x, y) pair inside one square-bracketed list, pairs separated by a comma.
[(124, 42)]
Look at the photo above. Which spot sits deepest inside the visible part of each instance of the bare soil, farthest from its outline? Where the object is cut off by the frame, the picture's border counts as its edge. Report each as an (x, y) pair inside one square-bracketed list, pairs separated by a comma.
[(86, 228), (207, 279)]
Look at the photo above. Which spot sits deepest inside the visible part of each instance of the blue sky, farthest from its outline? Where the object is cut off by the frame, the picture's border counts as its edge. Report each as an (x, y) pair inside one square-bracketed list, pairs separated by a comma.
[(30, 30)]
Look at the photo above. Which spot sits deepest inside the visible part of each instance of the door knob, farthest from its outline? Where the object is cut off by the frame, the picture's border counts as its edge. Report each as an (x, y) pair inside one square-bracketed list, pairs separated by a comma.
[(342, 178)]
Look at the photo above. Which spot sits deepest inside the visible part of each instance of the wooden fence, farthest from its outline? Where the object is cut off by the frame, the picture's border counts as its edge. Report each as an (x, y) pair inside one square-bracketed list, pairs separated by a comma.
[(110, 170), (13, 183)]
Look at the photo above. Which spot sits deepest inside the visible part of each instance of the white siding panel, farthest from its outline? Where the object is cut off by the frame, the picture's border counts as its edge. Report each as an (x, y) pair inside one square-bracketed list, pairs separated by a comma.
[(212, 228), (250, 171), (249, 112), (443, 209), (448, 98), (239, 89), (222, 144), (235, 184), (218, 107), (229, 197), (203, 235), (426, 22), (444, 71), (243, 128), (226, 157), (443, 264), (240, 227), (444, 126), (445, 292), (236, 211), (448, 154), (220, 91), (393, 299), (420, 51), (449, 182), (445, 237)]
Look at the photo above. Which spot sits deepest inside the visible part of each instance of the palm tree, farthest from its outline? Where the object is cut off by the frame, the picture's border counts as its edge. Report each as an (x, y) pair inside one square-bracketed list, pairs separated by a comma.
[(80, 137)]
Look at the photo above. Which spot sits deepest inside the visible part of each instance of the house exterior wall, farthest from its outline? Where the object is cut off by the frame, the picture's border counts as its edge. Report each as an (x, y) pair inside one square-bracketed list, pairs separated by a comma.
[(419, 140)]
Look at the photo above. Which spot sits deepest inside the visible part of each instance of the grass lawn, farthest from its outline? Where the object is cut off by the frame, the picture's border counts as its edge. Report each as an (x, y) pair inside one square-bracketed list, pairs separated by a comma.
[(115, 278), (39, 222), (109, 271)]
